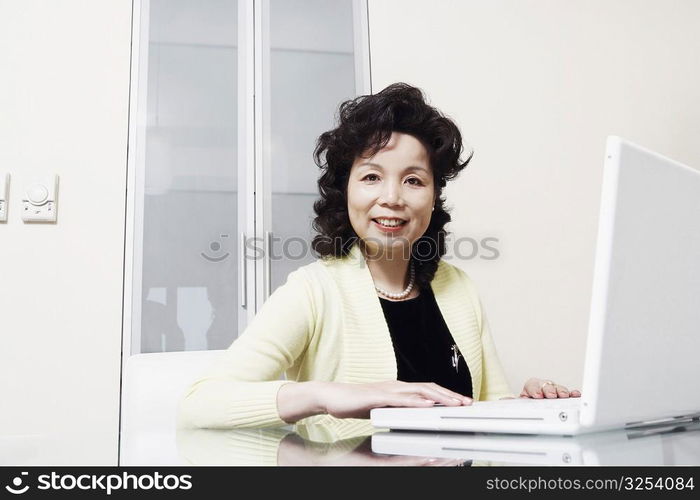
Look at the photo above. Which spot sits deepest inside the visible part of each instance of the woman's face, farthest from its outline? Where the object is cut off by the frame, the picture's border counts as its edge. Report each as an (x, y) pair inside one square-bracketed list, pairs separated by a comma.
[(397, 182)]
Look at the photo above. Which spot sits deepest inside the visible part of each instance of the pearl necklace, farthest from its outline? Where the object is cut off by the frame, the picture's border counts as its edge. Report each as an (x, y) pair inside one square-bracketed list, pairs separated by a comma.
[(403, 294)]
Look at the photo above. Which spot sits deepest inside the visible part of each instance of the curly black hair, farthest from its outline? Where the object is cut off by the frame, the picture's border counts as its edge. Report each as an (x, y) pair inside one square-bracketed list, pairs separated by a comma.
[(365, 125)]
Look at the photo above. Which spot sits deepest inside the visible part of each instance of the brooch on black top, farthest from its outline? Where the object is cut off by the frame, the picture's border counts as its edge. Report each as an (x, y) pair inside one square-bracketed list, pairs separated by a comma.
[(455, 357)]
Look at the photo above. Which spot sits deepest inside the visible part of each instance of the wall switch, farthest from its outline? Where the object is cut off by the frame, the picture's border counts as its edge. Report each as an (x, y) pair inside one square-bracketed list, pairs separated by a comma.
[(4, 190), (39, 200)]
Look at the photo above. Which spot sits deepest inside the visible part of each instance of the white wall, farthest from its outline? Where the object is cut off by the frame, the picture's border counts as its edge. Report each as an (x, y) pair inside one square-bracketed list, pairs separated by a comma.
[(535, 86), (63, 110)]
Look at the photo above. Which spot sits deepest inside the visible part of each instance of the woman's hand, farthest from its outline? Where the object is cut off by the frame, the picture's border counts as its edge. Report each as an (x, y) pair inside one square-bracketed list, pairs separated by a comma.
[(303, 399), (356, 400), (539, 388)]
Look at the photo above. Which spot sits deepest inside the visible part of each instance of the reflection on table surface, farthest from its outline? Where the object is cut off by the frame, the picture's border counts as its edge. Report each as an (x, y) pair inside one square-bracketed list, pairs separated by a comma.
[(356, 442), (664, 444)]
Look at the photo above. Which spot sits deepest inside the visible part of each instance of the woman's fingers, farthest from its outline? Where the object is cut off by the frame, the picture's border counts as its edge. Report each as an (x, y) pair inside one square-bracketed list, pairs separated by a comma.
[(407, 400), (533, 389), (432, 392), (428, 392), (459, 398), (542, 388), (549, 389), (413, 394), (562, 391)]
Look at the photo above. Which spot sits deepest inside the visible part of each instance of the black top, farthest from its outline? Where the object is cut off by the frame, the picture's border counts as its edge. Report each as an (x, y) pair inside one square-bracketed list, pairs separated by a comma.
[(424, 348)]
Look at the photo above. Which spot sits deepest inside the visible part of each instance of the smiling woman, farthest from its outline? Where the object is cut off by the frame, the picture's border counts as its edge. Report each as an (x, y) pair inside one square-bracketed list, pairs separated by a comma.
[(380, 319)]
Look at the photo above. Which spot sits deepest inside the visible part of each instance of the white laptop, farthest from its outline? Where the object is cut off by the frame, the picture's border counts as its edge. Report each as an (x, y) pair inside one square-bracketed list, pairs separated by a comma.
[(643, 348)]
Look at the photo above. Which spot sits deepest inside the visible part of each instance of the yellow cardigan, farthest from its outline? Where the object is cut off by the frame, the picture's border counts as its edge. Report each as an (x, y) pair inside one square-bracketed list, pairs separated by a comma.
[(326, 324)]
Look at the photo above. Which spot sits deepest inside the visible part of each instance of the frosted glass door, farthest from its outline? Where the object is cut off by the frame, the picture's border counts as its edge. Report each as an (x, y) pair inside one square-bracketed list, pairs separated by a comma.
[(188, 251), (231, 97)]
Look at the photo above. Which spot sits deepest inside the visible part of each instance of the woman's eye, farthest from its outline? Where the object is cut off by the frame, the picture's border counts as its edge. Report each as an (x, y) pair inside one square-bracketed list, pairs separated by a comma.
[(416, 183)]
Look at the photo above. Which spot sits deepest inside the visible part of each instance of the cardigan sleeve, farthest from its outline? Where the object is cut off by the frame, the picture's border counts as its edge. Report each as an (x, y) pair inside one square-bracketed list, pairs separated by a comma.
[(240, 389), (493, 380)]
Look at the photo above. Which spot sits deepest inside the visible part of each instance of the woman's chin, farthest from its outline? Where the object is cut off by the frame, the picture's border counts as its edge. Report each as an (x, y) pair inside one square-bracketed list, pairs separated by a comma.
[(388, 247)]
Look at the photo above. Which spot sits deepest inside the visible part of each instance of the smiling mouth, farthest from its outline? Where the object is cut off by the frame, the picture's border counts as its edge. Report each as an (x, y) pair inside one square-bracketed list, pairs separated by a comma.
[(396, 225)]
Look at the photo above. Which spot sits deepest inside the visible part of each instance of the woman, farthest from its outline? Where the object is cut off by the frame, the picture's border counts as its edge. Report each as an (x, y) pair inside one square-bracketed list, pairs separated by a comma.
[(380, 319)]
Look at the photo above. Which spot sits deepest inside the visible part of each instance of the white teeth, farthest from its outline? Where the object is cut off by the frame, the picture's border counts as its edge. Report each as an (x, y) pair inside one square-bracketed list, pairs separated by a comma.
[(390, 223)]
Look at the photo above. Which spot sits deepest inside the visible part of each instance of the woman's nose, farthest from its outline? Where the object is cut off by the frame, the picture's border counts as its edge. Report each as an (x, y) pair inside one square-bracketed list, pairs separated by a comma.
[(391, 192)]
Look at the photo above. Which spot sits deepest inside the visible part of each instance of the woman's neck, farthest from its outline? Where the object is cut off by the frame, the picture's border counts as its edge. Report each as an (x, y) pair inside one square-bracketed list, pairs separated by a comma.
[(389, 272)]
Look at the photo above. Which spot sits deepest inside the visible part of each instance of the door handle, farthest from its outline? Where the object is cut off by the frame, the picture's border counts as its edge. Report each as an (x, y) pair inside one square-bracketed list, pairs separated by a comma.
[(244, 273), (268, 265)]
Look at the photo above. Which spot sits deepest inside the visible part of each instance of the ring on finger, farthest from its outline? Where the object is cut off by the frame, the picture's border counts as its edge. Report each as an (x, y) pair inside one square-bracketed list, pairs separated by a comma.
[(548, 382)]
